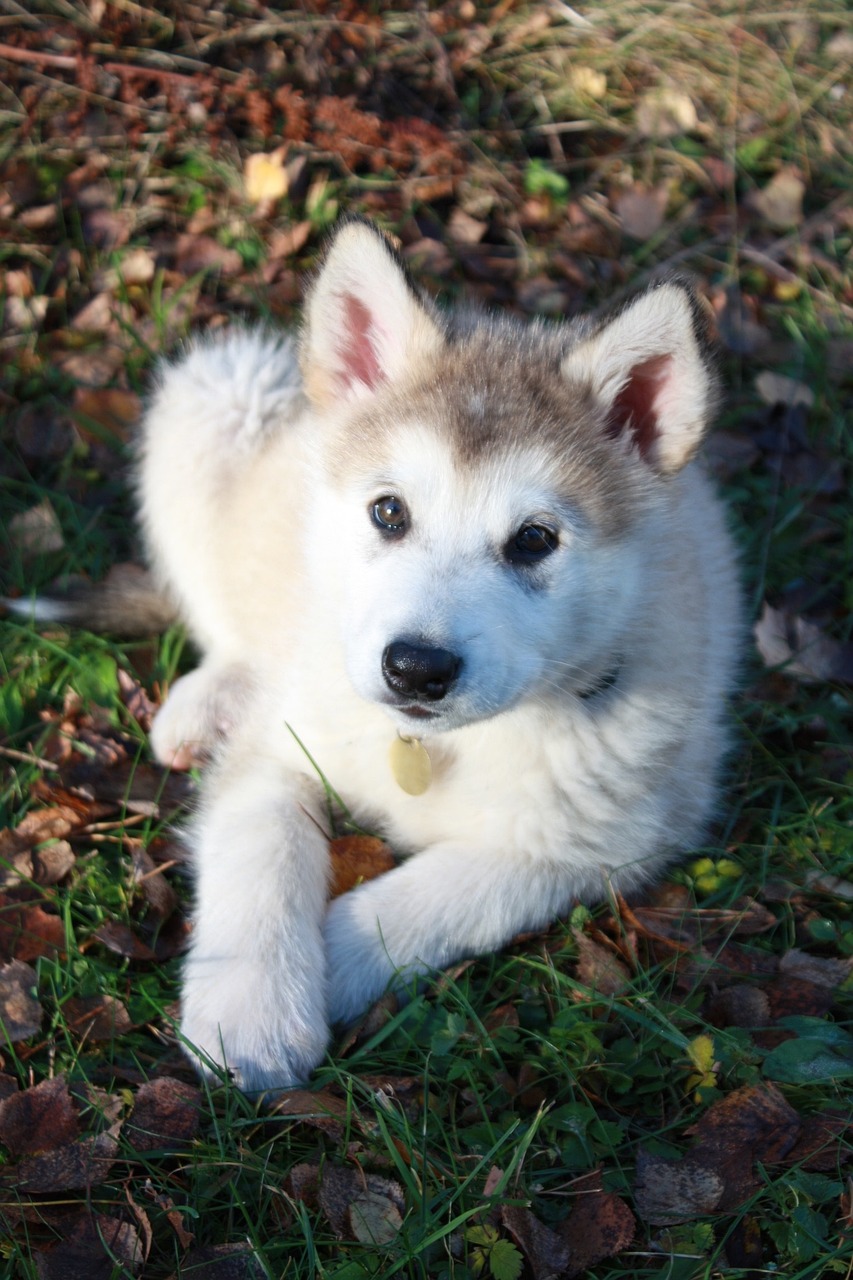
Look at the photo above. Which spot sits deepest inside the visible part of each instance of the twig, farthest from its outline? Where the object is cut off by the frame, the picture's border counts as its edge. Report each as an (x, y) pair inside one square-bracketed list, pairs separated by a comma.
[(26, 757), (62, 61)]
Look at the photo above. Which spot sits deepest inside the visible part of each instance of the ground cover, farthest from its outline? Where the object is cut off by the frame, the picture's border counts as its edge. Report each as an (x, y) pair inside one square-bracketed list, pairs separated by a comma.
[(654, 1088)]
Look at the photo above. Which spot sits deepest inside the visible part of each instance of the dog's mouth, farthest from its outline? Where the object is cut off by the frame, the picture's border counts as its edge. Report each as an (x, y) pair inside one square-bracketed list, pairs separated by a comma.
[(417, 712)]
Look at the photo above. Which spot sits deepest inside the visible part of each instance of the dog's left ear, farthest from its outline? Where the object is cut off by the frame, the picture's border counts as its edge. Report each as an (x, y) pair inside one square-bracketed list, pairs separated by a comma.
[(365, 323), (648, 371)]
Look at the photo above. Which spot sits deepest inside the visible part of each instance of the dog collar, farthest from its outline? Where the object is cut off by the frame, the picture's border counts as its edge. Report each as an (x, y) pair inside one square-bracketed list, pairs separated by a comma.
[(410, 765)]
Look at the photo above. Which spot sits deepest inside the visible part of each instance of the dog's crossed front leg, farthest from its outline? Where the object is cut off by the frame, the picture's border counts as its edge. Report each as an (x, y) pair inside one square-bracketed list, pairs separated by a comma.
[(254, 993), (443, 904)]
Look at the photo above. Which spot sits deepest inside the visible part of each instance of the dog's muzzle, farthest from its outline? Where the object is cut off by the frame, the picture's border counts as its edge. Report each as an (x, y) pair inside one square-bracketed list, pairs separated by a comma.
[(416, 671)]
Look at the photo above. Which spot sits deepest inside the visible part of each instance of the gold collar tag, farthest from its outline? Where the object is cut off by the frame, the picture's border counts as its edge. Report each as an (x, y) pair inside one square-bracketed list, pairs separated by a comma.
[(410, 765)]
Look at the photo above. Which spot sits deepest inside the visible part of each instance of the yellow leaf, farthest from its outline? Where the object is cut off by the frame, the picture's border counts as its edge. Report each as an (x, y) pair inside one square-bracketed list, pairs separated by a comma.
[(700, 1051), (265, 177)]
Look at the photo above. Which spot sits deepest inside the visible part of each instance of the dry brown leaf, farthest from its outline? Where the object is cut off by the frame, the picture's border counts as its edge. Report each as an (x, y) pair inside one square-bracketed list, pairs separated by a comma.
[(672, 1191), (780, 203), (72, 1167), (203, 253), (319, 1109), (156, 889), (121, 939), (739, 1006), (641, 211), (665, 113), (92, 1250), (776, 388), (20, 1011), (36, 532), (801, 648), (28, 932), (97, 1017), (39, 1118), (547, 1253), (376, 1218), (220, 1262), (165, 1115), (752, 1124), (44, 866), (599, 967), (822, 971), (823, 1142), (599, 1226), (283, 244), (111, 410), (357, 858), (361, 1203)]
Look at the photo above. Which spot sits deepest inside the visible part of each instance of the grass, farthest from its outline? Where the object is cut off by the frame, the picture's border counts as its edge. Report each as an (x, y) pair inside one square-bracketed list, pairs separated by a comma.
[(512, 1063)]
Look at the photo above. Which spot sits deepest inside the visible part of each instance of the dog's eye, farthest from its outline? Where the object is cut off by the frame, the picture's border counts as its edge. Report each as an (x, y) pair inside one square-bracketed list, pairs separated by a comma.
[(389, 514), (532, 542)]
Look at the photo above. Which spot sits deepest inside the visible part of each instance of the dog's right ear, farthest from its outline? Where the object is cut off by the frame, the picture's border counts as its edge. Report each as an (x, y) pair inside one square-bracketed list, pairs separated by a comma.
[(365, 323)]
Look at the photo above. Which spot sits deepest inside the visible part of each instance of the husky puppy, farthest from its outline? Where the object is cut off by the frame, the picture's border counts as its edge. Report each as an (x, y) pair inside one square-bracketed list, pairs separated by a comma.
[(466, 566)]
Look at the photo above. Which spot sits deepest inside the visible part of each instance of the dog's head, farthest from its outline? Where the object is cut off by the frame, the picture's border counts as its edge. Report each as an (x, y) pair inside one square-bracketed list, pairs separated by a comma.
[(488, 495)]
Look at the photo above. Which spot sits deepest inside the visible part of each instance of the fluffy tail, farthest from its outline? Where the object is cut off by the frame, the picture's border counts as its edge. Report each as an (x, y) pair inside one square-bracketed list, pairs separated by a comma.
[(128, 602)]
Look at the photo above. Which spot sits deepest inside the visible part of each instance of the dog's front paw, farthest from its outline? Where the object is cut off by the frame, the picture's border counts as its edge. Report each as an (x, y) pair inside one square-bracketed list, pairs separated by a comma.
[(264, 1037), (202, 708), (367, 951)]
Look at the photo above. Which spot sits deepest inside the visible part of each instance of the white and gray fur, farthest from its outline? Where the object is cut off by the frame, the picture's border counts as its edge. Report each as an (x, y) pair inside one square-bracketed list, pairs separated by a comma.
[(578, 746)]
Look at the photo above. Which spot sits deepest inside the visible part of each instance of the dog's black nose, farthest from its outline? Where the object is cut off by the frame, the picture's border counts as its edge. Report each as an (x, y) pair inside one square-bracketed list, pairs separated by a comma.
[(417, 671)]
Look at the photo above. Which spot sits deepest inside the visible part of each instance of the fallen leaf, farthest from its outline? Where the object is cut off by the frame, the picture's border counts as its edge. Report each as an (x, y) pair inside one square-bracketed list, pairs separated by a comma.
[(775, 388), (220, 1262), (672, 1191), (28, 932), (156, 889), (93, 1250), (96, 1017), (39, 1118), (137, 266), (599, 967), (44, 866), (374, 1217), (547, 1253), (801, 648), (665, 113), (357, 858), (641, 211), (20, 1011), (823, 971), (379, 1203), (465, 229), (823, 1142), (599, 1226), (203, 253), (780, 203), (319, 1109), (586, 82), (120, 939), (165, 1115), (739, 1006), (76, 1166), (36, 532), (105, 411), (283, 244), (265, 176)]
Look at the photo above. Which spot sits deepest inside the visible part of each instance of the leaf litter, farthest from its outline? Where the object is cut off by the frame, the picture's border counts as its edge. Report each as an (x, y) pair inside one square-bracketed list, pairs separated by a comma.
[(170, 244)]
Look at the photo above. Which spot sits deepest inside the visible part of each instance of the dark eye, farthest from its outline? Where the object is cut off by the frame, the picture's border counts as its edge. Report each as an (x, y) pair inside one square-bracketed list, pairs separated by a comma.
[(389, 514), (532, 542)]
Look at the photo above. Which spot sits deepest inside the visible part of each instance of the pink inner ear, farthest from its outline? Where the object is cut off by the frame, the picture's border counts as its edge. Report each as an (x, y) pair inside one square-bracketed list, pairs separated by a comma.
[(359, 360), (636, 408)]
